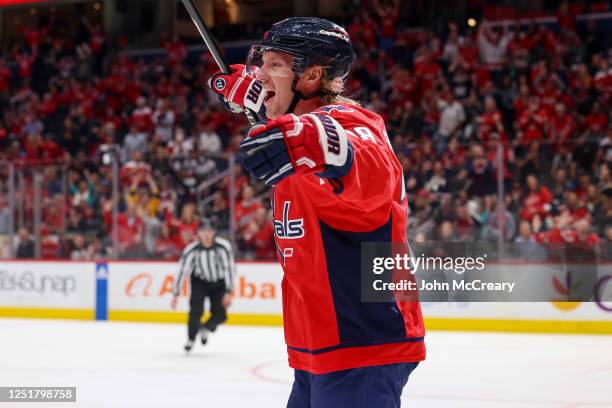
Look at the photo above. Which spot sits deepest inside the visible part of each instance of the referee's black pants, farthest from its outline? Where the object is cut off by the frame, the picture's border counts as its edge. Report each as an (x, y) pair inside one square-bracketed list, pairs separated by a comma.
[(201, 290)]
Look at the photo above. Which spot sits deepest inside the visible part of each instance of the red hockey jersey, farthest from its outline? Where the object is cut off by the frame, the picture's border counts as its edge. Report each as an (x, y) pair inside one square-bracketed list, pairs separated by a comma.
[(319, 225)]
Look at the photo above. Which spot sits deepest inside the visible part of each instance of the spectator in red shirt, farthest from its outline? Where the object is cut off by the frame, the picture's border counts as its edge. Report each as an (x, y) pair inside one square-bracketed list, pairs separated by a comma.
[(403, 88), (427, 70), (131, 229), (5, 76), (176, 50), (522, 101), (111, 122), (388, 14), (596, 121), (97, 39), (584, 186), (142, 116), (168, 246), (51, 150), (550, 89), (566, 16), (454, 156), (532, 122), (24, 62), (538, 199), (354, 30), (133, 168), (582, 88), (48, 105), (246, 208), (186, 227), (259, 236), (368, 31), (33, 146), (584, 234), (518, 50), (561, 126), (490, 122), (574, 205)]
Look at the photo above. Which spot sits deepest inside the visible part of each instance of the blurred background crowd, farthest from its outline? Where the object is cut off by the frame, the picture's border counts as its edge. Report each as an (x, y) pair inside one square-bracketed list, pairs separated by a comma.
[(502, 124)]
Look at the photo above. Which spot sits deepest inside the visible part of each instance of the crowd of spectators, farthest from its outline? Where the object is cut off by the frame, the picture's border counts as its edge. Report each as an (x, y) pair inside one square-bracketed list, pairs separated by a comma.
[(468, 111), (524, 110)]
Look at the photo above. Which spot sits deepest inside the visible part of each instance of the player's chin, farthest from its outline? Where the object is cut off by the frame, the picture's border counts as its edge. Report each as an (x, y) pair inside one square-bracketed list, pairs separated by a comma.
[(273, 111)]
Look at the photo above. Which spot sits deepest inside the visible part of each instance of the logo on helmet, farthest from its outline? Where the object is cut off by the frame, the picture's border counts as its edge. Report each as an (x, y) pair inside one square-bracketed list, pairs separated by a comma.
[(220, 84), (336, 34)]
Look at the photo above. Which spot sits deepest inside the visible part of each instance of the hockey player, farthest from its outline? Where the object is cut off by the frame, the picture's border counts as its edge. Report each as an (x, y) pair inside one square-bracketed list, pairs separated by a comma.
[(336, 183)]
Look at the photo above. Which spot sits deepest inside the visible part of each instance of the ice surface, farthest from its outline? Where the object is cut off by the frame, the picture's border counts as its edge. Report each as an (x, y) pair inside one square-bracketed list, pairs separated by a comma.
[(143, 365)]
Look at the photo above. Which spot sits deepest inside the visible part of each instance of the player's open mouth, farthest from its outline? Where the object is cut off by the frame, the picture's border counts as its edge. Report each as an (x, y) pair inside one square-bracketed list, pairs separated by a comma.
[(269, 95)]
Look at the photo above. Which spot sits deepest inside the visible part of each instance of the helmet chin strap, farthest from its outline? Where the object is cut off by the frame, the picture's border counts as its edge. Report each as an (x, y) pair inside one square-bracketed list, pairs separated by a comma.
[(298, 95)]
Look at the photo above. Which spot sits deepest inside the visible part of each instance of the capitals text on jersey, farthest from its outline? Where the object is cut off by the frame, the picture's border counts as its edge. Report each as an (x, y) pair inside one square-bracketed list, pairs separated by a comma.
[(287, 228)]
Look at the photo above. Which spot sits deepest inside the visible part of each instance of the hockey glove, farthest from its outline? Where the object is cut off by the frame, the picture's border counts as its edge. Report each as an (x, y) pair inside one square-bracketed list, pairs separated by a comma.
[(289, 144), (238, 90)]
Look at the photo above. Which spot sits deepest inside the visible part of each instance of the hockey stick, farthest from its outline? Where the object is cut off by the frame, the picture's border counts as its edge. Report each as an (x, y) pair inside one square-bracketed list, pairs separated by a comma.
[(214, 49)]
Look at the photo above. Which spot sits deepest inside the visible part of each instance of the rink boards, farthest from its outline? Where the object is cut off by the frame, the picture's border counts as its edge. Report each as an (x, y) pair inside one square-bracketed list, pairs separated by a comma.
[(141, 291)]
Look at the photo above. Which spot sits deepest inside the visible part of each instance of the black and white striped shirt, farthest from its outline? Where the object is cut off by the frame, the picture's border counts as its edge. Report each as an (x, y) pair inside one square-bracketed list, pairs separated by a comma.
[(209, 264)]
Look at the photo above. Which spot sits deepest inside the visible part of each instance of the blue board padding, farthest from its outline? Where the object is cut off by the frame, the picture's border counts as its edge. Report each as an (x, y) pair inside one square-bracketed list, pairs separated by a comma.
[(102, 291)]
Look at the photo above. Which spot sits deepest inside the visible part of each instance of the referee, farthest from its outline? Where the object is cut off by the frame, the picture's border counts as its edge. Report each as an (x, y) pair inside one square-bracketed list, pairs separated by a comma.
[(210, 263)]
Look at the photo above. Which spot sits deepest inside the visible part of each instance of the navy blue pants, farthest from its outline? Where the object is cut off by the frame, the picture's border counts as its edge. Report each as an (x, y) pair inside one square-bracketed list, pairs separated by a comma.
[(366, 387)]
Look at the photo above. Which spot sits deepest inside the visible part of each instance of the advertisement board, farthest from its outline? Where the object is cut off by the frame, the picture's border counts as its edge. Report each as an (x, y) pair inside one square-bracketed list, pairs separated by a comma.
[(48, 289), (142, 291)]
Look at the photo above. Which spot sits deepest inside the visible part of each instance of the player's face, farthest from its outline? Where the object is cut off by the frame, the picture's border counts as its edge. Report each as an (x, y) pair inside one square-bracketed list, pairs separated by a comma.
[(276, 75)]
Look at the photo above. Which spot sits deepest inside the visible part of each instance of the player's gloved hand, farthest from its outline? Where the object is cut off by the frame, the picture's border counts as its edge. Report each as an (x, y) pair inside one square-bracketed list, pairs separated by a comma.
[(264, 153), (238, 90), (291, 144)]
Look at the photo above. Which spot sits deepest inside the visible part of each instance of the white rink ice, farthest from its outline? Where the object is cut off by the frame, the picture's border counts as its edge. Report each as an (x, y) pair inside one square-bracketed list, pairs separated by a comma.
[(142, 365)]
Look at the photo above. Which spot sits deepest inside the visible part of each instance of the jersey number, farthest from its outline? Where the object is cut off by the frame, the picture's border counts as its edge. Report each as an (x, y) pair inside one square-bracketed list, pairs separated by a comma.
[(364, 133)]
